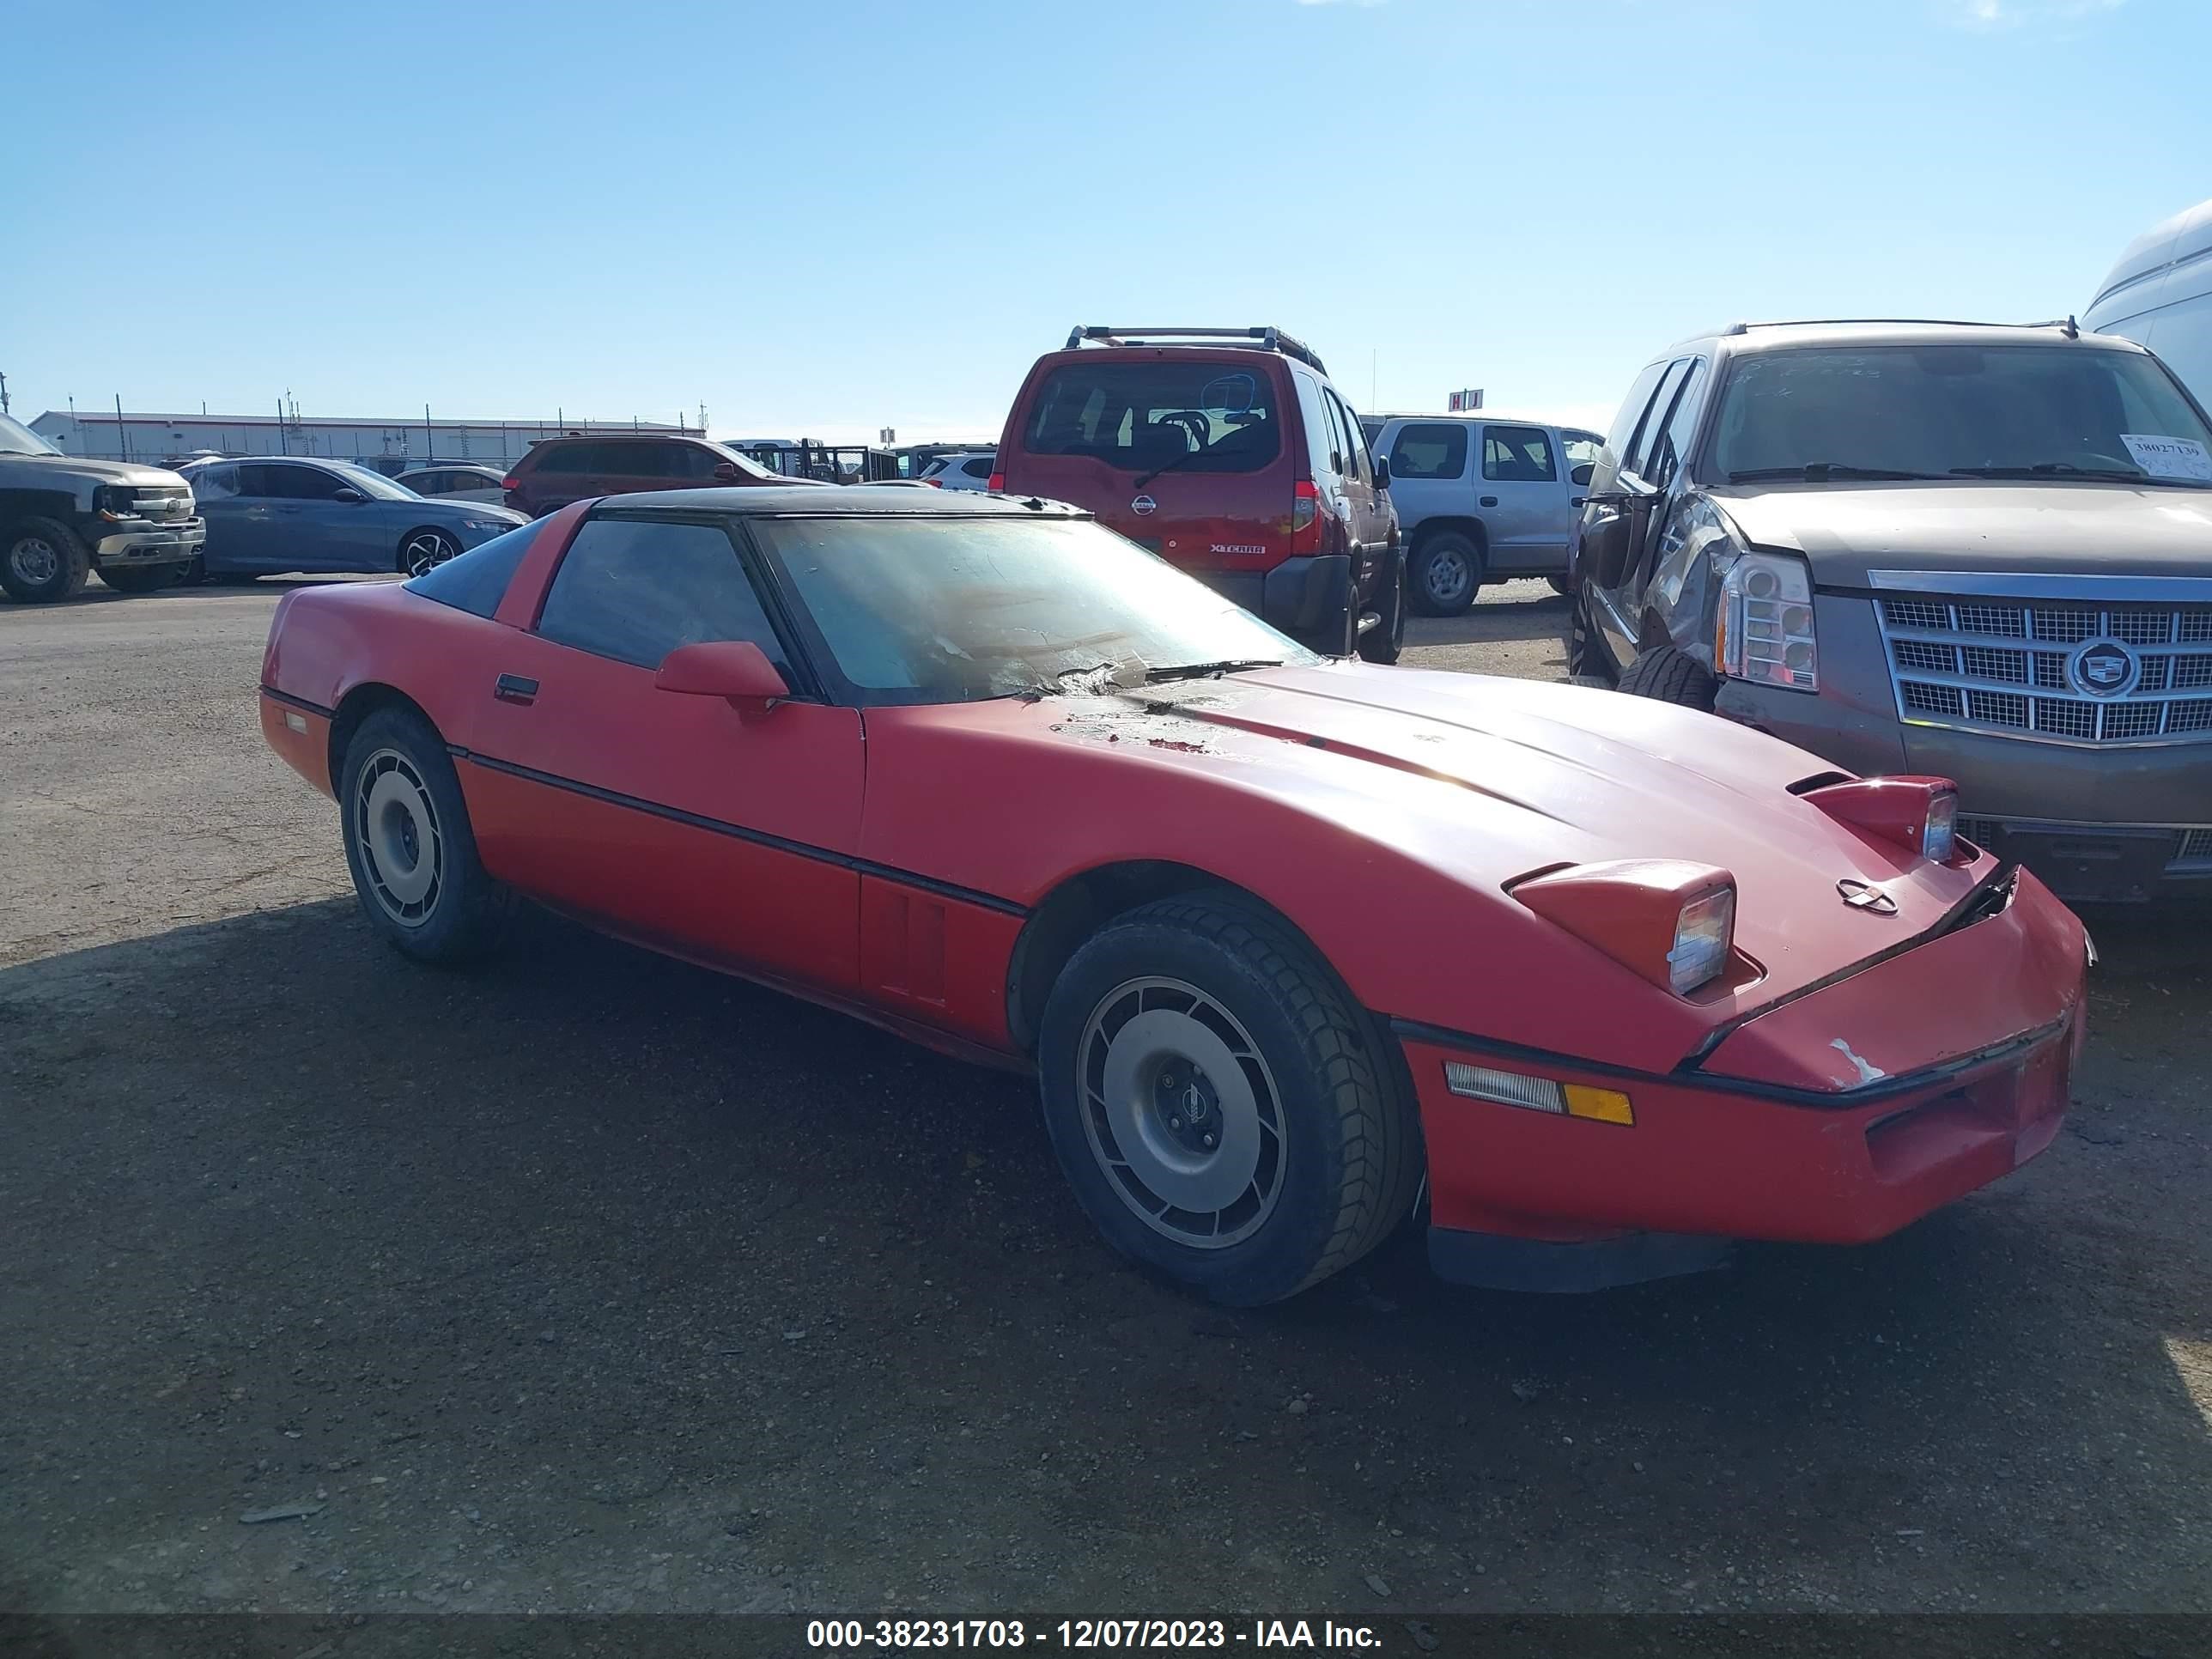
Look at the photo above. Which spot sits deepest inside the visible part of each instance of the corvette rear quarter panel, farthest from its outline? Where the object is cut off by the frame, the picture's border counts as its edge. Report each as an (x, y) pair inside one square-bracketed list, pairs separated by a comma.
[(325, 642)]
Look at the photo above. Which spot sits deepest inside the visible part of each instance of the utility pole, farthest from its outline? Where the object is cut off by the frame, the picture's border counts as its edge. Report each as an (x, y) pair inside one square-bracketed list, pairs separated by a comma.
[(430, 436), (3, 394), (122, 438)]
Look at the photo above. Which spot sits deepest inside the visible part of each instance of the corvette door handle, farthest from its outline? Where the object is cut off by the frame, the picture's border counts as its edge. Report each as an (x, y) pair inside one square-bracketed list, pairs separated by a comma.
[(513, 687)]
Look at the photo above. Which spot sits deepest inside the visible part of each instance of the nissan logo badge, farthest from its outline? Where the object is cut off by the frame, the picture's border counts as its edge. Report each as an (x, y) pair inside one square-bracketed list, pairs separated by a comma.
[(1143, 505)]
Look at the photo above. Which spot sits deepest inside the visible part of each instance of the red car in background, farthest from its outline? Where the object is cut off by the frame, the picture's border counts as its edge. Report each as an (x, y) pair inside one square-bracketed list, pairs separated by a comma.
[(1228, 452), (1285, 939), (554, 471)]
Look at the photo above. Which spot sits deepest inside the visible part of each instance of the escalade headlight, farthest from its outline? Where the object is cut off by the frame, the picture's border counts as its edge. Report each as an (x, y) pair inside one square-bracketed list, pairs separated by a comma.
[(1764, 631)]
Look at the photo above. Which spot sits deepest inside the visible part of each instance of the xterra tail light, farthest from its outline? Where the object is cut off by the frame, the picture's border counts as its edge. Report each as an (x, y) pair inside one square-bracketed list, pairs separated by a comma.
[(510, 482), (1305, 517), (997, 483)]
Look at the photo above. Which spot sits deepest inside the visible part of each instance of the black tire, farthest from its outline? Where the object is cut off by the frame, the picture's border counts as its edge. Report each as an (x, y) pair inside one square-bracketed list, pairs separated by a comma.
[(143, 578), (400, 810), (1346, 1154), (425, 549), (233, 578), (1587, 658), (43, 559), (1561, 586), (1384, 642), (195, 571), (1445, 574), (1668, 675)]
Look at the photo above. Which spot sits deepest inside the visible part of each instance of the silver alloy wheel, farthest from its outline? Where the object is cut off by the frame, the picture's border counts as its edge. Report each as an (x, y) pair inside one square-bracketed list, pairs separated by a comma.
[(395, 831), (1446, 576), (425, 550), (34, 560), (1182, 1113)]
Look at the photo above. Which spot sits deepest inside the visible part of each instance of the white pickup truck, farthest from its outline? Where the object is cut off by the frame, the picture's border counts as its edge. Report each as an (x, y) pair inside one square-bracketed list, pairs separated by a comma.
[(63, 517)]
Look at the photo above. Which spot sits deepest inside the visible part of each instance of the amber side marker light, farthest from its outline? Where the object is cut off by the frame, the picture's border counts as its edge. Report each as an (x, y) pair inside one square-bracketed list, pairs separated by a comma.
[(1538, 1094)]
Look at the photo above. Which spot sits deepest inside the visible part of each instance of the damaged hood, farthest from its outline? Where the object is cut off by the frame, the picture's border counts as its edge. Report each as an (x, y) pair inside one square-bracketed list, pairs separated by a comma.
[(2061, 528), (1486, 780)]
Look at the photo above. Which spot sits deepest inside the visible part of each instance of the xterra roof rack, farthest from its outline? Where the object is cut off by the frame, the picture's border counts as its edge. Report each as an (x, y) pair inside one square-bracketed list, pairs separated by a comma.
[(2065, 324), (1268, 339)]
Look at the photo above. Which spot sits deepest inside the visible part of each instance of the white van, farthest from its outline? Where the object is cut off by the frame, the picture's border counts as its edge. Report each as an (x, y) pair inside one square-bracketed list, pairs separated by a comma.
[(2160, 295)]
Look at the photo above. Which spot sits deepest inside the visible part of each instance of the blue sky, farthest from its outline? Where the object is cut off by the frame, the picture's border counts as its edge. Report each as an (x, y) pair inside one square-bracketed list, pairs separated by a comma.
[(821, 220)]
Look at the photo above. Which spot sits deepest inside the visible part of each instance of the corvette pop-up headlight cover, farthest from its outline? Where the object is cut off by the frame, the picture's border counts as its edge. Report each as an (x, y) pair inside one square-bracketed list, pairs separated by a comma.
[(1671, 920)]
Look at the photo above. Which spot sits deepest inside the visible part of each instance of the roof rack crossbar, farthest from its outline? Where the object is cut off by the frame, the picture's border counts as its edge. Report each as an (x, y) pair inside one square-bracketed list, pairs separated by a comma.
[(1268, 338), (2065, 323)]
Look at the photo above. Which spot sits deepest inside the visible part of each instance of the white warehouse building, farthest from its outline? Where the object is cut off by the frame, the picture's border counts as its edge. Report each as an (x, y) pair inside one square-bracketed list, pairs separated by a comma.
[(390, 446)]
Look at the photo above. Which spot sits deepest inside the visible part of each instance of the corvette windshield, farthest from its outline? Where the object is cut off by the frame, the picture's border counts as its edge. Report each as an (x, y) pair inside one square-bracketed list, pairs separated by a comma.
[(931, 609), (2047, 411)]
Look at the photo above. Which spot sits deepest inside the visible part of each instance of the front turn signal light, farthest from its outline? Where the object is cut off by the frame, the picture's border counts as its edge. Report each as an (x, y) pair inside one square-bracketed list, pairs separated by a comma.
[(1538, 1094)]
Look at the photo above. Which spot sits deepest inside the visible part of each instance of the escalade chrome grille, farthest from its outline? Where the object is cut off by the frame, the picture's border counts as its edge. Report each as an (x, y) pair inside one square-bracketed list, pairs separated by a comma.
[(2032, 668)]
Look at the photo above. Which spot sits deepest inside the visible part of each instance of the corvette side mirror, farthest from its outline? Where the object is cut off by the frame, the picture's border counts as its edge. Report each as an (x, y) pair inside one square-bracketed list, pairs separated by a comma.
[(737, 670)]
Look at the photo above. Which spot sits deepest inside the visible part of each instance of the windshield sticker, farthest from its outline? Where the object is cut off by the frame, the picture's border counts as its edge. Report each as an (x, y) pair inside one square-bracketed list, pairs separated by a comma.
[(2169, 458)]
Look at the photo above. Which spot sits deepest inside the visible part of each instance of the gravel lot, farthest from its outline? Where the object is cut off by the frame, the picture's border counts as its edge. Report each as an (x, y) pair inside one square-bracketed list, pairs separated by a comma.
[(589, 1281)]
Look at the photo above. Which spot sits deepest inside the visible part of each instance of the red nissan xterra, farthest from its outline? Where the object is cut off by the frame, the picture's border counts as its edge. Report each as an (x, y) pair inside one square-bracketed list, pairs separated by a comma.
[(1228, 452)]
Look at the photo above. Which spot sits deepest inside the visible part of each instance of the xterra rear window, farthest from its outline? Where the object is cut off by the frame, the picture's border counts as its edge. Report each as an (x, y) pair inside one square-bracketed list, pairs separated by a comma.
[(1158, 416)]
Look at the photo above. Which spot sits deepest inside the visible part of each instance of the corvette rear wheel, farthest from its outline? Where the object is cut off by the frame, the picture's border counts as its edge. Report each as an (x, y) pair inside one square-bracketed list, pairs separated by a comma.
[(1219, 1104), (409, 845)]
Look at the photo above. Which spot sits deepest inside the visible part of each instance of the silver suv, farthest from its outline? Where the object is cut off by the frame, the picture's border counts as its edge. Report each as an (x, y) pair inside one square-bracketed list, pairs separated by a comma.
[(1957, 549), (1480, 497)]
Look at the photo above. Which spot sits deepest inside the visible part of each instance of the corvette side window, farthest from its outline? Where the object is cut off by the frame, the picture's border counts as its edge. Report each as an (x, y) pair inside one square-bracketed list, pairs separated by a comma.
[(635, 589)]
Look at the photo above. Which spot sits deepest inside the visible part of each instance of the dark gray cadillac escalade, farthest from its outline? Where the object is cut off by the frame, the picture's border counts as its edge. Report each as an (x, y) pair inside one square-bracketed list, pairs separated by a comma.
[(1966, 551)]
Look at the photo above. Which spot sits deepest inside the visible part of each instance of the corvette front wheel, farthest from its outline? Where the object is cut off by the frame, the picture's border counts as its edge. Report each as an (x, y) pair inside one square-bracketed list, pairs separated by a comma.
[(1219, 1106), (409, 845)]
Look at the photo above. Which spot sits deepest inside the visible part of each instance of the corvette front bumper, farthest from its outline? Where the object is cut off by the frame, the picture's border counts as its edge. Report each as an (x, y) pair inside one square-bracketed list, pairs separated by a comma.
[(1801, 1123)]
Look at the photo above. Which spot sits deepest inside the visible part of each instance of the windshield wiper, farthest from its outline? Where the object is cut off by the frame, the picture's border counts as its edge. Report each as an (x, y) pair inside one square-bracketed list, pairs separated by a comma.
[(1170, 466), (2068, 470), (1822, 471), (1199, 670)]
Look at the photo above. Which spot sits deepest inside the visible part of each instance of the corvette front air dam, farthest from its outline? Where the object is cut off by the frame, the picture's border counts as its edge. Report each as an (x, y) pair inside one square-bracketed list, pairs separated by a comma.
[(1836, 1116)]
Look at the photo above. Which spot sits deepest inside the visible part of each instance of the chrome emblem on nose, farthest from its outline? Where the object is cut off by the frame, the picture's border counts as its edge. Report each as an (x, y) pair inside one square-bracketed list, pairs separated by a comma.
[(1865, 896), (2103, 668), (1142, 505)]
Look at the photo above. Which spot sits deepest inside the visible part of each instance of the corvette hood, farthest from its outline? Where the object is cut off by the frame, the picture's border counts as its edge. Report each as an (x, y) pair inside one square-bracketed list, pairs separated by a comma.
[(2107, 529), (1488, 779)]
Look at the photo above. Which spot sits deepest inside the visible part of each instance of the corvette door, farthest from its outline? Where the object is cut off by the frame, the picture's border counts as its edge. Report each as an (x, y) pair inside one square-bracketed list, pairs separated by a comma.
[(725, 835)]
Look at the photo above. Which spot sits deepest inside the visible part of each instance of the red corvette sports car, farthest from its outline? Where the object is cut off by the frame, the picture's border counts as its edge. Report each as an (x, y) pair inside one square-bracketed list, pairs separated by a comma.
[(1288, 941)]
